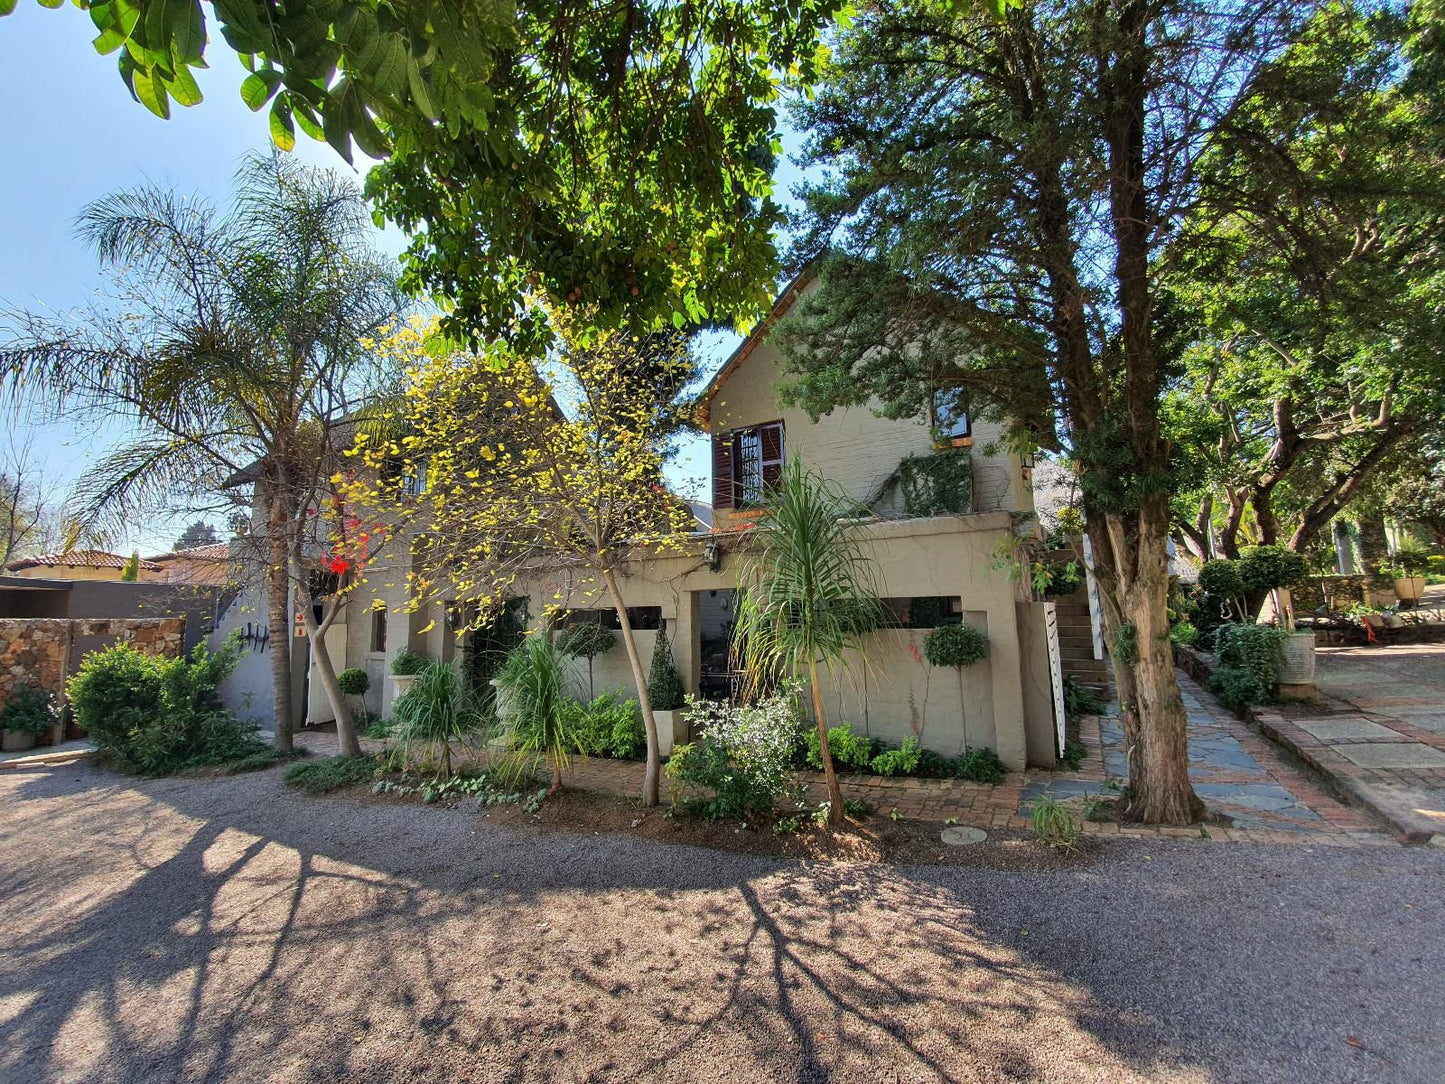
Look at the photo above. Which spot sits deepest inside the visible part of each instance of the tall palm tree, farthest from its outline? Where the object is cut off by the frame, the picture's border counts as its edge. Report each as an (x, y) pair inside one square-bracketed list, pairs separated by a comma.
[(234, 347), (809, 596)]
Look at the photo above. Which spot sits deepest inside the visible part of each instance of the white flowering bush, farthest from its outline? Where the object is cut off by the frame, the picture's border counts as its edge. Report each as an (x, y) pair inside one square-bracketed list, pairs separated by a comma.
[(743, 754)]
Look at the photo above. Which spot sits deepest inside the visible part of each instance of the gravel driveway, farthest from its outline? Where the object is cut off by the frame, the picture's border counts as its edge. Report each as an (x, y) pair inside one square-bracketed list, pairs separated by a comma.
[(231, 930)]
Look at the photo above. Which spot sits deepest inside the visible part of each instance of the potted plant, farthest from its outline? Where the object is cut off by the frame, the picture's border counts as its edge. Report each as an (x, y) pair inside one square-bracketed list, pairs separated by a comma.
[(1275, 570), (1410, 565), (404, 669), (956, 646), (27, 714), (665, 691)]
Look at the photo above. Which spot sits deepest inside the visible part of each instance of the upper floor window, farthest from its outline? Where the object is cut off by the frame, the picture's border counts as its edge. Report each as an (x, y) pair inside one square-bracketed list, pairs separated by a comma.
[(950, 414), (745, 463), (414, 481)]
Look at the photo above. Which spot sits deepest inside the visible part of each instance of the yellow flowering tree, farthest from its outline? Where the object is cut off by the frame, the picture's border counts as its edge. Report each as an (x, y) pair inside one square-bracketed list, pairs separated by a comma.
[(498, 470)]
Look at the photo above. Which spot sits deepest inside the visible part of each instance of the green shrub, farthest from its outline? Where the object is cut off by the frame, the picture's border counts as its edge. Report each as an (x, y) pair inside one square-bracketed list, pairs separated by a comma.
[(1221, 578), (1249, 662), (1072, 758), (955, 645), (408, 662), (1054, 825), (934, 765), (742, 755), (1079, 699), (586, 640), (1266, 568), (353, 681), (1413, 560), (902, 761), (376, 727), (157, 714), (265, 758), (29, 711), (610, 726), (330, 773), (664, 687), (849, 750), (1183, 633), (981, 765)]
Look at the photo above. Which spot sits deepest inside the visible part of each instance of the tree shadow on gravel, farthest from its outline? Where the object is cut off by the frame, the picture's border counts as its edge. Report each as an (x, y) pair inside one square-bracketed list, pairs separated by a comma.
[(232, 929)]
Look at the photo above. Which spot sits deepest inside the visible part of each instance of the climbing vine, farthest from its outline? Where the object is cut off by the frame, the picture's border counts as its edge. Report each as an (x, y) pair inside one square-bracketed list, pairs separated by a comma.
[(937, 485)]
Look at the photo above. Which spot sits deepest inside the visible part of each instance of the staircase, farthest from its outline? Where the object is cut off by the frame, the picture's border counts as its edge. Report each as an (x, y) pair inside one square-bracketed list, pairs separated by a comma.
[(1076, 645)]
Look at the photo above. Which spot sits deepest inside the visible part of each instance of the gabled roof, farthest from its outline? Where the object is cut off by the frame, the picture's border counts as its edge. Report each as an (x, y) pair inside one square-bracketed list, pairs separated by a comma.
[(784, 302), (79, 559)]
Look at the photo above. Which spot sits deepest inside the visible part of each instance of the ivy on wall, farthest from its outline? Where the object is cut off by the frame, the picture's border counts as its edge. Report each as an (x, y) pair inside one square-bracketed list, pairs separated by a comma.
[(937, 485)]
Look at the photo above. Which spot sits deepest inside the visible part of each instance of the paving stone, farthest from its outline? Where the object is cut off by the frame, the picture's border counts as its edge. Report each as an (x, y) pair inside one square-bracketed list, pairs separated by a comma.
[(1346, 728), (1393, 755), (962, 836)]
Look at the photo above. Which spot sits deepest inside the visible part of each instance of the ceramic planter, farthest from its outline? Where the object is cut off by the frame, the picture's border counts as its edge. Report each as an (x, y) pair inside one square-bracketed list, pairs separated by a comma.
[(401, 685), (1297, 659), (1410, 588)]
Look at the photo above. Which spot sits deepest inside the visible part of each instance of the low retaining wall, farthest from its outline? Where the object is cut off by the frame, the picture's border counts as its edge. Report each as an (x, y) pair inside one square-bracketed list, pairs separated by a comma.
[(43, 652)]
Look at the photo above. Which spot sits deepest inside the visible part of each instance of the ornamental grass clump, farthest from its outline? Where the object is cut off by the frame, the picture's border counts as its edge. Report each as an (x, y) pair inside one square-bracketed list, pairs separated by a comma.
[(437, 711), (538, 720)]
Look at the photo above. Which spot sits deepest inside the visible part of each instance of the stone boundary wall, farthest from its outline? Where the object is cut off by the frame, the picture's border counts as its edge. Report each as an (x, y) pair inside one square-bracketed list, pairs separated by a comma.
[(44, 652)]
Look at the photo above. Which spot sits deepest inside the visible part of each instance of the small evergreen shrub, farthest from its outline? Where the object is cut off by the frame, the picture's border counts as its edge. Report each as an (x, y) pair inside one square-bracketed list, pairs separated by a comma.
[(1267, 568), (849, 750), (610, 726), (955, 645), (664, 687), (408, 662), (901, 761), (981, 765), (586, 640), (1079, 699), (155, 714), (353, 681), (29, 711)]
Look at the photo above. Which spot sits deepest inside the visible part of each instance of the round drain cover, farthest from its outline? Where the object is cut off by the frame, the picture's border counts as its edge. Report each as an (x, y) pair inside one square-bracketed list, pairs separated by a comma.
[(960, 836)]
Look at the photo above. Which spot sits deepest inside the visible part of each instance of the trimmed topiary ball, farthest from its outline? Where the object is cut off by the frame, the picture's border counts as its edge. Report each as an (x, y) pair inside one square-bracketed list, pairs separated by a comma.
[(353, 681), (955, 645)]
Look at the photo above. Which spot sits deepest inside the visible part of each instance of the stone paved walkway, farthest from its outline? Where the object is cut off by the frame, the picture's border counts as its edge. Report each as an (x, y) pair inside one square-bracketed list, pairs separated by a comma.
[(1378, 731), (1235, 771)]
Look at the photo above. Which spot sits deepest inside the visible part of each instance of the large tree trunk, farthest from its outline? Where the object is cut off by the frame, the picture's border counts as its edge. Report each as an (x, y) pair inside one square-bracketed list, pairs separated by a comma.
[(278, 617), (1134, 586), (652, 778)]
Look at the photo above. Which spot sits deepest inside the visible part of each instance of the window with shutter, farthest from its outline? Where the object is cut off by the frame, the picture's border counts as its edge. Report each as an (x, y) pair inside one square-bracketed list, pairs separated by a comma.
[(722, 470)]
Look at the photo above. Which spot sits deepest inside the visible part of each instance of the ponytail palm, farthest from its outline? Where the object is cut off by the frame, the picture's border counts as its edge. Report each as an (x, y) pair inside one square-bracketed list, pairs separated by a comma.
[(233, 347), (809, 596)]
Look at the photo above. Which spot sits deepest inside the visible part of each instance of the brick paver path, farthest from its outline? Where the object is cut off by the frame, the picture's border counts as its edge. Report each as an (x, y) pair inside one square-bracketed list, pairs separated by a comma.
[(1379, 731), (1235, 771)]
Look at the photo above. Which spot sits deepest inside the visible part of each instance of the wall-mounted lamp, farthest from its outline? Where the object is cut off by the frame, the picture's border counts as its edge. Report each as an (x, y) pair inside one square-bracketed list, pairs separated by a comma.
[(712, 554)]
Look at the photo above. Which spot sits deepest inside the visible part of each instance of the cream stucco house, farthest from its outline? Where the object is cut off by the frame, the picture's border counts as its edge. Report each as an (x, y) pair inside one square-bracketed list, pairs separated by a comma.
[(933, 568)]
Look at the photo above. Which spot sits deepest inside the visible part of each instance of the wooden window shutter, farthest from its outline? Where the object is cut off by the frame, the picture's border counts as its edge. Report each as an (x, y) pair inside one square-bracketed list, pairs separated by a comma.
[(772, 443), (722, 470)]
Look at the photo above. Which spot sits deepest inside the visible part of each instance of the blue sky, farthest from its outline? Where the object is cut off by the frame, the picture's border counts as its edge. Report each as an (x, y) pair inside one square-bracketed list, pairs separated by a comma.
[(72, 133)]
